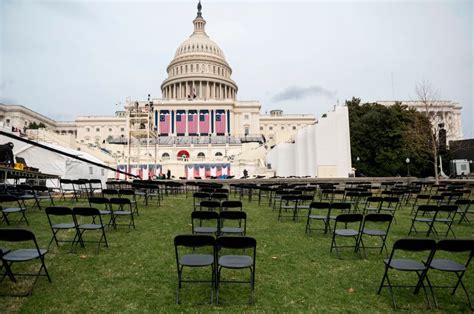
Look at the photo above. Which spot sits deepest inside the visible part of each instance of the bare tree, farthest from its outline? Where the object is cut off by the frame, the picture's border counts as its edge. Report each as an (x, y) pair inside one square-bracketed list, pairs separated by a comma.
[(428, 98)]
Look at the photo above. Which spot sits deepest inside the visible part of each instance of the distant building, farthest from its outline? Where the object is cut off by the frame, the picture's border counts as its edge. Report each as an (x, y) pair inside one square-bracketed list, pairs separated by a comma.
[(444, 112)]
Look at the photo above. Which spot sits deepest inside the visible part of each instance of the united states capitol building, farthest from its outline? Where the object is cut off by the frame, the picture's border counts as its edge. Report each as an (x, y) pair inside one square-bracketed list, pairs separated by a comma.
[(199, 127)]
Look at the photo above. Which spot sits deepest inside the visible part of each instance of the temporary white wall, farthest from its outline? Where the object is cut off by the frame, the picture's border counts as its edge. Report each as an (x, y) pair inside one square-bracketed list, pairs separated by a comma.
[(321, 150), (53, 163)]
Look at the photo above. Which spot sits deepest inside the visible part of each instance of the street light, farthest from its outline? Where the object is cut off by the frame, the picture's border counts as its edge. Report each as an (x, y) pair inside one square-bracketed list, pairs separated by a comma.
[(408, 166)]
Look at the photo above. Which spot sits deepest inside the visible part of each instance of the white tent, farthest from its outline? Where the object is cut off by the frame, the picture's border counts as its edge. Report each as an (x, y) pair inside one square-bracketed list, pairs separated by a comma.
[(53, 163)]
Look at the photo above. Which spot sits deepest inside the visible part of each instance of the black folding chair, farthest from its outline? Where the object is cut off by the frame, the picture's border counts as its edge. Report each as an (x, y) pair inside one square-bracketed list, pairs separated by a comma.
[(445, 216), (66, 187), (210, 206), (21, 255), (130, 194), (195, 251), (372, 204), (205, 222), (233, 222), (346, 219), (122, 207), (422, 246), (236, 253), (375, 225), (89, 219), (65, 223), (464, 206), (420, 199), (318, 211), (454, 247), (288, 203), (42, 193), (11, 205), (425, 214), (103, 205), (198, 197)]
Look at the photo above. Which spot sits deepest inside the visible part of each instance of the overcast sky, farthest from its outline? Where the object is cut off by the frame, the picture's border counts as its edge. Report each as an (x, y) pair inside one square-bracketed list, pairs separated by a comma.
[(70, 58)]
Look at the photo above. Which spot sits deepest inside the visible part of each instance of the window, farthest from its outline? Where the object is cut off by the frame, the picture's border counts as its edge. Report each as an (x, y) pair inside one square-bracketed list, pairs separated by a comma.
[(218, 154), (247, 130), (246, 117), (270, 128), (88, 130), (294, 127), (110, 129), (122, 129), (282, 127), (261, 128), (165, 156), (201, 156), (97, 129)]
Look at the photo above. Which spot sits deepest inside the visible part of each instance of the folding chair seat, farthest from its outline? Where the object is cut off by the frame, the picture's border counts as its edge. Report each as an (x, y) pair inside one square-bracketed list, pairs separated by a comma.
[(130, 194), (455, 248), (236, 253), (356, 221), (318, 211), (375, 225), (65, 223), (288, 203), (205, 222), (42, 193), (464, 206), (445, 215), (89, 219), (10, 204), (122, 207), (195, 251), (424, 247), (231, 205), (28, 251), (238, 220), (198, 197), (425, 214)]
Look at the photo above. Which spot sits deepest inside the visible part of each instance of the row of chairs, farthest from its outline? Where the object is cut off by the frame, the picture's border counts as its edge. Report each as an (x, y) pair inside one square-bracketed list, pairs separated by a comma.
[(78, 219), (224, 252), (213, 205), (433, 258), (225, 222)]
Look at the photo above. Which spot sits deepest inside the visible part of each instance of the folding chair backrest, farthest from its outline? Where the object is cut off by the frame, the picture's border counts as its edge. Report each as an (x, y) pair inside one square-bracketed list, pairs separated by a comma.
[(98, 200), (456, 245), (348, 218), (5, 198), (209, 204), (201, 195), (320, 205), (194, 241), (58, 211), (119, 201), (341, 206), (236, 242), (414, 245), (126, 192), (234, 215), (305, 198), (448, 208), (110, 192), (378, 217), (427, 208), (16, 235), (85, 211), (231, 204), (204, 215)]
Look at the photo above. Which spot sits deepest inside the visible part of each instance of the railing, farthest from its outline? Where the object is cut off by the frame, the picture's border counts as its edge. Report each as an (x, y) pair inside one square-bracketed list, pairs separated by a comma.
[(197, 140)]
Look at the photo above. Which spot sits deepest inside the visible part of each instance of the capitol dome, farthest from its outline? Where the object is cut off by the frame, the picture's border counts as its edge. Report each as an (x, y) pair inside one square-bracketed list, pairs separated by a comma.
[(199, 69)]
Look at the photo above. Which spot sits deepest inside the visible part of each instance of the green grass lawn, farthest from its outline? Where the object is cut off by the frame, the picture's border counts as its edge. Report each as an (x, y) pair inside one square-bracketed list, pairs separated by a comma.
[(294, 272)]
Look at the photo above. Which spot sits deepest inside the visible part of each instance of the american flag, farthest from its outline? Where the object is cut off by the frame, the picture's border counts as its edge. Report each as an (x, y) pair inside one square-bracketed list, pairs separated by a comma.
[(220, 122), (180, 122), (192, 122), (164, 122), (204, 122)]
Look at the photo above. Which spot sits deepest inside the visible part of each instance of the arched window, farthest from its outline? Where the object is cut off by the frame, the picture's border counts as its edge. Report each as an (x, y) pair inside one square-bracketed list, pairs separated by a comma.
[(218, 154), (201, 156), (165, 156)]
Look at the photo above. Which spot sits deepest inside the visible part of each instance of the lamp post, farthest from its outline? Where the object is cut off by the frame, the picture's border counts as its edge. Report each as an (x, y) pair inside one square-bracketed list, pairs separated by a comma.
[(357, 165), (408, 166)]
